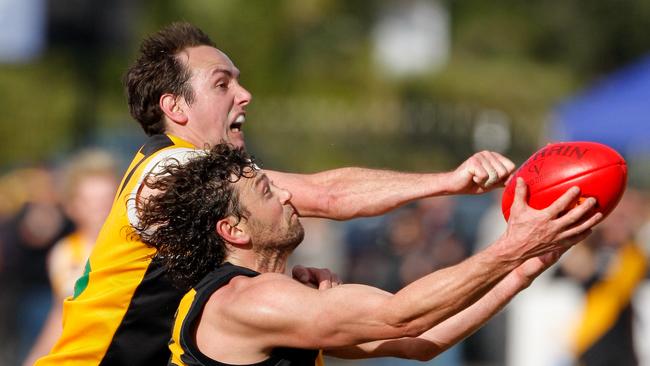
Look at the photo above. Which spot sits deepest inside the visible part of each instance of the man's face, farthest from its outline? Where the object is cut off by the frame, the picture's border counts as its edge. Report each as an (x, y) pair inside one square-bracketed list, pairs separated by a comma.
[(272, 221), (218, 109)]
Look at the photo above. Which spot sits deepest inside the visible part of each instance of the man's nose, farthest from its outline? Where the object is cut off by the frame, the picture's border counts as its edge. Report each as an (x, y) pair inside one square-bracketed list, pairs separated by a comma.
[(285, 196), (243, 96)]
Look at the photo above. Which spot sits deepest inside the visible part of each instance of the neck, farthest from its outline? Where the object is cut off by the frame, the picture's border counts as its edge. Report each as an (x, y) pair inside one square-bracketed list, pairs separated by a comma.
[(261, 261), (187, 135)]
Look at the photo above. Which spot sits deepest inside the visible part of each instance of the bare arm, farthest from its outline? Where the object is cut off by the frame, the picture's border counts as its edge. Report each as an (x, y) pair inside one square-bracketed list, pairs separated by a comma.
[(346, 193), (347, 314), (272, 310), (456, 328)]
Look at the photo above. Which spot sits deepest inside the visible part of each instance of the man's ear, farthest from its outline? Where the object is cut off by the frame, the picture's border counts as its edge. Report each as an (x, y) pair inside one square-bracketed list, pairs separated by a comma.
[(231, 230), (174, 108)]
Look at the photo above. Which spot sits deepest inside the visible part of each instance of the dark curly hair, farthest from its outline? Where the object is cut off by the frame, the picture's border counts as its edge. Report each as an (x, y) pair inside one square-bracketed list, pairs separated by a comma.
[(180, 221), (158, 71)]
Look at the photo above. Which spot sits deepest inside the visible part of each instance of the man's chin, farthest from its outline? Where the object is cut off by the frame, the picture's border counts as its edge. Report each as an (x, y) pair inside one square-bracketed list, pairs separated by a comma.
[(237, 139), (295, 236), (300, 234)]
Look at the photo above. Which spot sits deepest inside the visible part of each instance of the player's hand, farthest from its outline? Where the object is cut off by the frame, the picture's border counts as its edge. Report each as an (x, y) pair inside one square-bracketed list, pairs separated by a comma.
[(532, 233), (533, 267), (319, 278), (529, 270), (481, 173)]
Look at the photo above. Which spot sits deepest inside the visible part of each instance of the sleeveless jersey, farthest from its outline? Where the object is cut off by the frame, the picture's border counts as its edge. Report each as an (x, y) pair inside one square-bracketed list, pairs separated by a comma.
[(183, 346), (123, 307)]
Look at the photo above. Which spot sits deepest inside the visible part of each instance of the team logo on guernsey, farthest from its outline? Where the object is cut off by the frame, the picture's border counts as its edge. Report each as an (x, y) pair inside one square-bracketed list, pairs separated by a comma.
[(82, 282)]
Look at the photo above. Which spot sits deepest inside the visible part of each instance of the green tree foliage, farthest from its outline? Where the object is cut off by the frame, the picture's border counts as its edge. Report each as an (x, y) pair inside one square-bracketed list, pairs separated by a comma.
[(309, 65)]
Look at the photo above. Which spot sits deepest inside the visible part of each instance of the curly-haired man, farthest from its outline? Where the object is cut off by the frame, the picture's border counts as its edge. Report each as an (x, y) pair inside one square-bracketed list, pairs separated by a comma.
[(224, 228)]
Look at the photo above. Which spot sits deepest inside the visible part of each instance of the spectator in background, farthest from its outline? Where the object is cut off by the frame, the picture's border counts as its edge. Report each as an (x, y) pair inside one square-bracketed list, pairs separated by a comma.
[(89, 183), (489, 343), (413, 241), (28, 235), (609, 266)]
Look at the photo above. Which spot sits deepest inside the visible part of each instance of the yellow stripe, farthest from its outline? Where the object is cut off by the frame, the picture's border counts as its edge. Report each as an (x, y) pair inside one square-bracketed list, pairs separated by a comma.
[(181, 314), (605, 300), (319, 359)]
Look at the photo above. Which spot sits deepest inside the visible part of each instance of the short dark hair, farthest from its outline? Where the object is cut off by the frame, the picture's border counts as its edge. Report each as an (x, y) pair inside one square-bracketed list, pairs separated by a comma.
[(180, 222), (158, 71)]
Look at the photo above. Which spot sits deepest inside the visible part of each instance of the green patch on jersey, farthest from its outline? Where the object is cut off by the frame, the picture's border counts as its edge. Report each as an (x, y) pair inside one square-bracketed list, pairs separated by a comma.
[(82, 282)]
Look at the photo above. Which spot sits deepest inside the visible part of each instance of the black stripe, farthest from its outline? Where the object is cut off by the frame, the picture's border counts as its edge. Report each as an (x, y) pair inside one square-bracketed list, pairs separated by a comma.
[(153, 145), (141, 338)]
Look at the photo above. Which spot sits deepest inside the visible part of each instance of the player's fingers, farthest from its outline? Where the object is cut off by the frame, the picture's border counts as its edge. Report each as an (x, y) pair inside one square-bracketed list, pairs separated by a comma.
[(521, 191), (497, 162), (575, 214), (323, 277), (300, 274), (575, 239), (562, 203), (583, 227), (478, 173), (549, 258), (335, 280), (507, 163), (478, 169), (495, 168), (324, 284), (305, 276)]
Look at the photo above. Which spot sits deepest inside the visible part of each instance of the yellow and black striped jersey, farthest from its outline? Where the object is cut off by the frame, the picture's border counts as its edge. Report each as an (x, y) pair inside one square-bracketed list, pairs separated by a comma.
[(185, 351), (123, 307)]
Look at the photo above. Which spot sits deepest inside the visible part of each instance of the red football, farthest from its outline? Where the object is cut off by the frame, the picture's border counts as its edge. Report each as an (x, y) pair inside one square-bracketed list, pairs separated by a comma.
[(597, 169)]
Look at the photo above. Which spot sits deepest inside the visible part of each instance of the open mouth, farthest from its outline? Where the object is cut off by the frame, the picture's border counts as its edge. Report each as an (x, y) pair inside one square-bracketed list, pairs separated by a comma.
[(239, 122), (294, 213)]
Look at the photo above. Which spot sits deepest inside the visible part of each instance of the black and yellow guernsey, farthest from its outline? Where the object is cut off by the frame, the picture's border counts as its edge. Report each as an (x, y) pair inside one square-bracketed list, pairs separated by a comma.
[(604, 332), (183, 346), (123, 307)]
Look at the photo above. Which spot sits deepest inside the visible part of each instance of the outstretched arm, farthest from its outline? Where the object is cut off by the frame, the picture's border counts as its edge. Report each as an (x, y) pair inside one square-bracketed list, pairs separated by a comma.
[(252, 310), (346, 193), (451, 331), (272, 311)]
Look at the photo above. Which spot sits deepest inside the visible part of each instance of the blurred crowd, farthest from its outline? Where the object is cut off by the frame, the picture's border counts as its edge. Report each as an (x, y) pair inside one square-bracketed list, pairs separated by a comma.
[(592, 306), (49, 219)]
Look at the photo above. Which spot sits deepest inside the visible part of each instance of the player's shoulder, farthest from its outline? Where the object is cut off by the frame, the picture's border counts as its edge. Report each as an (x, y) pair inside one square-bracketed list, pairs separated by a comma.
[(171, 156), (259, 282), (254, 300), (245, 288)]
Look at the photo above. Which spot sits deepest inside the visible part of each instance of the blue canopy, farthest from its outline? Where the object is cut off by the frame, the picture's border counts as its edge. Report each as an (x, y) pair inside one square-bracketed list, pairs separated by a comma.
[(615, 111)]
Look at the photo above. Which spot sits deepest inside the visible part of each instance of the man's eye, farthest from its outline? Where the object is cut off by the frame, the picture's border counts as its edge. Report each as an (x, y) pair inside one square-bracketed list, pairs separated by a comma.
[(222, 83)]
